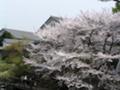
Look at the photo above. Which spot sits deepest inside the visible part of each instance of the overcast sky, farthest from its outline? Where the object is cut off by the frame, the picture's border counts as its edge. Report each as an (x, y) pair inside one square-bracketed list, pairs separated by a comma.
[(29, 15)]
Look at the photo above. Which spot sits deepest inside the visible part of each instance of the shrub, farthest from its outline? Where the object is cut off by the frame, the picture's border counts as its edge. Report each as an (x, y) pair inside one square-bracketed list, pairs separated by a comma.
[(12, 64)]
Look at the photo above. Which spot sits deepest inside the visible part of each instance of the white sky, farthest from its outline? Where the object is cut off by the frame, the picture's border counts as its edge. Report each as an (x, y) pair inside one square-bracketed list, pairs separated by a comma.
[(29, 15)]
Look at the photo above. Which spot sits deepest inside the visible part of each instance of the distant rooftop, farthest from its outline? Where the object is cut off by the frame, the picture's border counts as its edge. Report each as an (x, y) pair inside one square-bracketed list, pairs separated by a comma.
[(51, 21), (21, 34)]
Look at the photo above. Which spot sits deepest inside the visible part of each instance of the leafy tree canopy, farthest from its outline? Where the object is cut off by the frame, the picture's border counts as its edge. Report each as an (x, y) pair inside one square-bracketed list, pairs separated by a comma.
[(5, 35), (117, 5)]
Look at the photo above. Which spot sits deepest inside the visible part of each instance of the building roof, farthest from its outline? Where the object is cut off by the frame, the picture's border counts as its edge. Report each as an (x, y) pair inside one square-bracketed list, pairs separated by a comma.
[(51, 20), (9, 41), (21, 34)]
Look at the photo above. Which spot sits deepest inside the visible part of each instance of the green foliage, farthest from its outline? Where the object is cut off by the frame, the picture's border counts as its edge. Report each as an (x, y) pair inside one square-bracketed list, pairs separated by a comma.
[(12, 64), (5, 35), (15, 49), (116, 8)]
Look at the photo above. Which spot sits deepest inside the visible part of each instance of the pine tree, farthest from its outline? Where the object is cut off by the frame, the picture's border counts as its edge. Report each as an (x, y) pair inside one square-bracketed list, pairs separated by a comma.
[(116, 8)]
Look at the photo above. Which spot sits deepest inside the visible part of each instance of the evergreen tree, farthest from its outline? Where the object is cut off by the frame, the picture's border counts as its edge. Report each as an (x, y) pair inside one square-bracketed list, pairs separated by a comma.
[(117, 5)]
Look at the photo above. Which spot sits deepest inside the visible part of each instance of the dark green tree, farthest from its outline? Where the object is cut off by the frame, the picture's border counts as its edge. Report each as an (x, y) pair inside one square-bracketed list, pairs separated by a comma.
[(5, 35), (116, 8)]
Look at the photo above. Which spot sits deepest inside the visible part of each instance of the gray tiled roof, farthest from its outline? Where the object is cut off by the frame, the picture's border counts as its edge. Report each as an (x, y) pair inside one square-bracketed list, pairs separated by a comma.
[(51, 19), (21, 34)]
